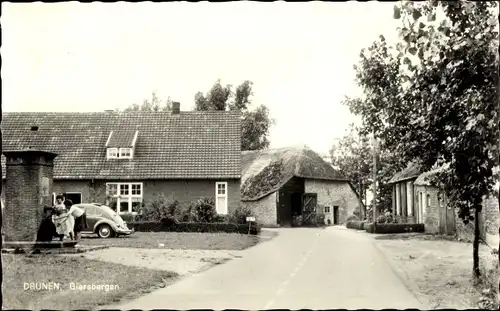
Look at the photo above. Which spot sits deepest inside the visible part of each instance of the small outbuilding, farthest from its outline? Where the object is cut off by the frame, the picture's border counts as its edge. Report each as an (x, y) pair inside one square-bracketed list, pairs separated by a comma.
[(296, 186)]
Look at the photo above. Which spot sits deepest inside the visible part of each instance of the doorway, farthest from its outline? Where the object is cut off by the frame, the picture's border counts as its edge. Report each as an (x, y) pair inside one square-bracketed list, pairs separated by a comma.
[(310, 201), (335, 215), (75, 197)]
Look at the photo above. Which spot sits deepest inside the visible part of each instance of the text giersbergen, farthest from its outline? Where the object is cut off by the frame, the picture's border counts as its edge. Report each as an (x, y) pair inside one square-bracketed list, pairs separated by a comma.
[(72, 286)]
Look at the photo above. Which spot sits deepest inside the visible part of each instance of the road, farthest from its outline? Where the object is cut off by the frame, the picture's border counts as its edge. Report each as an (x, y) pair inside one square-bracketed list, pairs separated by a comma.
[(302, 268)]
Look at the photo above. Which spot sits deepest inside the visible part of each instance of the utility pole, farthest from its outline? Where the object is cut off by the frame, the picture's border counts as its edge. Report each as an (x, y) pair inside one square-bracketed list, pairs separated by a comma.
[(374, 207)]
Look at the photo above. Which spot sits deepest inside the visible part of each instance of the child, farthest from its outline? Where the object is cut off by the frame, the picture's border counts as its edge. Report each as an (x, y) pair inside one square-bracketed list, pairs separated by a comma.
[(47, 229)]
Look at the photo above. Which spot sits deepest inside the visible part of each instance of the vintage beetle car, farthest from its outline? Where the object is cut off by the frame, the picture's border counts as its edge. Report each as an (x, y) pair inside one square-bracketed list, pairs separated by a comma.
[(104, 221)]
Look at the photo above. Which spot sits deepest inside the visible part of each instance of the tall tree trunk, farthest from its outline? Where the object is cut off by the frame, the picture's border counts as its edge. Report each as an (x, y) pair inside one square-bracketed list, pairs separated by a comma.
[(374, 204), (475, 245), (498, 112), (361, 186)]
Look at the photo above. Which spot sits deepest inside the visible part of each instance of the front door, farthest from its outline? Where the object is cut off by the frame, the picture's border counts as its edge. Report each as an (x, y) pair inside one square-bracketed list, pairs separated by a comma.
[(450, 219), (335, 215), (75, 197)]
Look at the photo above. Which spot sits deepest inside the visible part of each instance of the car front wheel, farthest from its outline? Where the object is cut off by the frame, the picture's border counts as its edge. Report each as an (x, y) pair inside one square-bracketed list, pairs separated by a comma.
[(104, 231)]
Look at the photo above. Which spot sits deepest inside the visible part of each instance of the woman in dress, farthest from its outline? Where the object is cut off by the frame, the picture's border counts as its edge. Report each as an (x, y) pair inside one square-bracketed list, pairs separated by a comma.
[(79, 216), (63, 221)]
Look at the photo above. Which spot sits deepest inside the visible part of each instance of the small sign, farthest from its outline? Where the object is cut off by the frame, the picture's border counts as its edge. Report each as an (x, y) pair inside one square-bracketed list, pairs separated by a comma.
[(249, 219)]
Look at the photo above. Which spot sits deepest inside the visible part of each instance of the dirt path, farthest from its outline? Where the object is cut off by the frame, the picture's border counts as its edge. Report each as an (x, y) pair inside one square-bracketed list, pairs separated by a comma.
[(183, 262)]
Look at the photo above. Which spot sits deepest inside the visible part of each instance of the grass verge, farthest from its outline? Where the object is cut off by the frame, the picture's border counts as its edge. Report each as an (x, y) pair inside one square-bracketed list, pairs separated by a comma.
[(128, 282), (179, 240), (439, 271)]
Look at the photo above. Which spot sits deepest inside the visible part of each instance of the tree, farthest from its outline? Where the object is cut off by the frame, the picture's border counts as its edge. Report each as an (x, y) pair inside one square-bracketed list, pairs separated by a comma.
[(154, 104), (255, 123), (353, 156), (433, 97)]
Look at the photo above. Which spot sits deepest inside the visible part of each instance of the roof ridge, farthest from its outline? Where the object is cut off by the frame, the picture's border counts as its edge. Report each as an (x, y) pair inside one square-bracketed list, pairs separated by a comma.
[(123, 112)]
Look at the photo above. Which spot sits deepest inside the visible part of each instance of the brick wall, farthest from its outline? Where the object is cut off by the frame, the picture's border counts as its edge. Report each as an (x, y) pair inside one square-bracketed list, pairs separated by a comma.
[(82, 186), (491, 220), (465, 232), (488, 221), (264, 210), (26, 191), (185, 191), (335, 193)]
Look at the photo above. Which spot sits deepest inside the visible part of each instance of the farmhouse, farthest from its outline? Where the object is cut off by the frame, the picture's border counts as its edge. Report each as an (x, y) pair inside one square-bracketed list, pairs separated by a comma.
[(281, 185), (124, 159), (417, 200)]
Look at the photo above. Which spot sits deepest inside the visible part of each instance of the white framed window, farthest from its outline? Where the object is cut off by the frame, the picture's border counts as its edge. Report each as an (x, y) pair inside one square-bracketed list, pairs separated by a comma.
[(124, 197), (327, 209), (221, 198), (119, 153), (125, 153), (112, 153)]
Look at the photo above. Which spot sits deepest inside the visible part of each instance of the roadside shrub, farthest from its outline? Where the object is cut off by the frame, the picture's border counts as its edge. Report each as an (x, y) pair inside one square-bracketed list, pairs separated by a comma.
[(399, 228), (161, 207), (240, 214), (369, 227), (221, 218), (389, 219), (393, 228), (355, 224), (154, 226), (203, 210), (381, 219), (352, 218), (363, 226), (128, 217), (145, 226)]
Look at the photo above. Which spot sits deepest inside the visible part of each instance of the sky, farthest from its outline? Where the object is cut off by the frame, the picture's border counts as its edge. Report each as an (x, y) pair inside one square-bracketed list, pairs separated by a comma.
[(93, 57)]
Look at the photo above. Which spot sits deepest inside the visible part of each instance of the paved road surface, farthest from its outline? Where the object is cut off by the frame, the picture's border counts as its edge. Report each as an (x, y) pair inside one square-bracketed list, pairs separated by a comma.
[(309, 268)]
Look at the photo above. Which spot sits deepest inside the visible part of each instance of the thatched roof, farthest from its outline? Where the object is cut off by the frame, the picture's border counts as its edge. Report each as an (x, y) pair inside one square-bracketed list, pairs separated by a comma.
[(265, 171), (411, 171)]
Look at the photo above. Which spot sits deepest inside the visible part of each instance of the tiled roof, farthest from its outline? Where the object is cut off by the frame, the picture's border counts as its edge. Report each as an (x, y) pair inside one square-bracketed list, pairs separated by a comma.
[(189, 145), (410, 172), (424, 178), (121, 138)]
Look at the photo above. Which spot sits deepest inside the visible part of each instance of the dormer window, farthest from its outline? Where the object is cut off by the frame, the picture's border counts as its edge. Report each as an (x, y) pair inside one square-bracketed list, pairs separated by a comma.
[(125, 153), (121, 144), (112, 153)]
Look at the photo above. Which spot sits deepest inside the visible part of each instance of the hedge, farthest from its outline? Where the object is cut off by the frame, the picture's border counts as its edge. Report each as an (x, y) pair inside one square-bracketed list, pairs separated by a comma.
[(355, 224), (393, 228), (155, 226), (128, 217)]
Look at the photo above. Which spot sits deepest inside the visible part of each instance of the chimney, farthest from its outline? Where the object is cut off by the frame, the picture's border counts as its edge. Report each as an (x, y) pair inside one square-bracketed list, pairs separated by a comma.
[(176, 107)]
